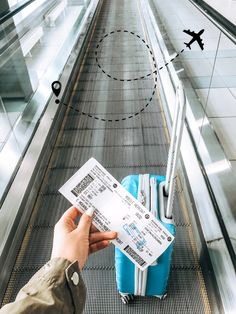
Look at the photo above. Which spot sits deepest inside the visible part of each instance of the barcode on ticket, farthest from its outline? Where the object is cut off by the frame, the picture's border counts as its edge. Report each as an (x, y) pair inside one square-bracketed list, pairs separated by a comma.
[(101, 224), (83, 184), (135, 256)]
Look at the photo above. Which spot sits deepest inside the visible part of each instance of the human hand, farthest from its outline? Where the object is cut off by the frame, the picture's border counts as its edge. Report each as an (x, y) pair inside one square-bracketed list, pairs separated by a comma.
[(76, 242)]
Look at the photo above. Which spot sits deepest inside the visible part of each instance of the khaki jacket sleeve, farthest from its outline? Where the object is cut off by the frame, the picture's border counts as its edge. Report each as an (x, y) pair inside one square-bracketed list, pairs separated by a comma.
[(56, 288)]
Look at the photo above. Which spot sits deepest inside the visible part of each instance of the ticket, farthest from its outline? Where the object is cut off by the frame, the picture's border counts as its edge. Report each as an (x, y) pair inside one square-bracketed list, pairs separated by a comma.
[(141, 237)]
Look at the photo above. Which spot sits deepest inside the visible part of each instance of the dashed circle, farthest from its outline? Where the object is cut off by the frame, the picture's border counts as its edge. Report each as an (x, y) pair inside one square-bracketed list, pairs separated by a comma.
[(126, 80), (129, 79)]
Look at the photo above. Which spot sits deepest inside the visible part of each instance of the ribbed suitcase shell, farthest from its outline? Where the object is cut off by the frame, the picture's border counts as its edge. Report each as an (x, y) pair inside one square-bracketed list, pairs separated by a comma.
[(158, 275)]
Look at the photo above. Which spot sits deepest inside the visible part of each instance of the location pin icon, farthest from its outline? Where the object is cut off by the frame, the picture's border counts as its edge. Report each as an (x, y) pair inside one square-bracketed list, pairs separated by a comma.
[(56, 88)]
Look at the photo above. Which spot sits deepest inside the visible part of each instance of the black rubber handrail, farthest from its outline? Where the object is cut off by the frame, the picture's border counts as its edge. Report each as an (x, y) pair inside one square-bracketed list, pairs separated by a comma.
[(228, 27), (16, 9)]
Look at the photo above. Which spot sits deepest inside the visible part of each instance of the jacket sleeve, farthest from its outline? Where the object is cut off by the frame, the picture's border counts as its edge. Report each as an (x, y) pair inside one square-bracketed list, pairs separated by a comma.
[(56, 288)]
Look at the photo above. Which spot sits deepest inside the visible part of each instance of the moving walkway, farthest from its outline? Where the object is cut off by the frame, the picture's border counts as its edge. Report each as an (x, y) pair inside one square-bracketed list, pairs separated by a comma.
[(108, 114)]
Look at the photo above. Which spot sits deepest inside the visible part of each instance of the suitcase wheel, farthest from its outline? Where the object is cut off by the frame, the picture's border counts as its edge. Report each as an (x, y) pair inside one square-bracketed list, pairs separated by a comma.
[(162, 297), (126, 298)]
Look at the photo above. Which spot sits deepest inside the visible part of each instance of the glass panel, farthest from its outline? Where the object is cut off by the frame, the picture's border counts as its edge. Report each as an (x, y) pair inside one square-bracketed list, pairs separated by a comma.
[(226, 8), (5, 125), (34, 47), (12, 2), (209, 78), (9, 149), (194, 67), (220, 124)]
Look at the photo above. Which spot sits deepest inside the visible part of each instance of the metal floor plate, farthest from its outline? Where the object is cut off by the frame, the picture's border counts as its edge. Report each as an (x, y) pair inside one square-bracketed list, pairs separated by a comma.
[(137, 145)]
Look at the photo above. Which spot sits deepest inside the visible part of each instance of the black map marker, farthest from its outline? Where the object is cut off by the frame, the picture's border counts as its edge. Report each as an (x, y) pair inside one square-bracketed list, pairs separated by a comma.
[(56, 88)]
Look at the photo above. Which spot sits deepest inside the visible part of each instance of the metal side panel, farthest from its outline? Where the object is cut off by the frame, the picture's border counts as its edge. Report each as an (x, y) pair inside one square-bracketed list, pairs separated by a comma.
[(135, 145)]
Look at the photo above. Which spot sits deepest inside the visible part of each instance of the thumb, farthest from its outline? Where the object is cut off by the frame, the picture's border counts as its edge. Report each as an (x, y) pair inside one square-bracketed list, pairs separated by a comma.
[(86, 221), (71, 213)]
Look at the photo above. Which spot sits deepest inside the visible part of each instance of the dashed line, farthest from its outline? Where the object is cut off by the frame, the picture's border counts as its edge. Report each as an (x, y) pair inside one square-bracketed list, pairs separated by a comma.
[(127, 80), (148, 47)]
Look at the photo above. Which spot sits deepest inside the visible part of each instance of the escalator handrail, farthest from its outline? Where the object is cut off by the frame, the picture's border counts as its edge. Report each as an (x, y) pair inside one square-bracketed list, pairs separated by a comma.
[(220, 21), (13, 11)]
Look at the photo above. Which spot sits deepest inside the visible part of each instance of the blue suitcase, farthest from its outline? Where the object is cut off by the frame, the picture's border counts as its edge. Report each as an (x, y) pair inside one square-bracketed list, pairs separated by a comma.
[(156, 193), (152, 281)]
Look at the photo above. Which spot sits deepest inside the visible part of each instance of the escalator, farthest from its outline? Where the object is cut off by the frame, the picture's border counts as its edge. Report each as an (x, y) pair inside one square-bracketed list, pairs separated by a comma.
[(109, 119)]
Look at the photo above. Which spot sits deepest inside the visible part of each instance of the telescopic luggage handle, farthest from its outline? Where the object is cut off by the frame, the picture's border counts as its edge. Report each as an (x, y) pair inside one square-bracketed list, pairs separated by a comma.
[(173, 156)]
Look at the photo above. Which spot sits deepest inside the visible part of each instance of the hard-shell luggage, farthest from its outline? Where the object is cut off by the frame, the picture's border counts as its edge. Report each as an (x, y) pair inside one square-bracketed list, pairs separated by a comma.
[(156, 193)]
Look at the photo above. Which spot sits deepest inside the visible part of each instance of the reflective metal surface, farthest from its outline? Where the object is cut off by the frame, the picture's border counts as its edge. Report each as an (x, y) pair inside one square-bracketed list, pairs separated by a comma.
[(17, 205), (213, 190), (35, 45), (209, 79)]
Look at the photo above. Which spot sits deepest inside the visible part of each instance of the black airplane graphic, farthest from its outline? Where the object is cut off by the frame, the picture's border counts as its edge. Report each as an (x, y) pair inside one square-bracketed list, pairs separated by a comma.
[(196, 37)]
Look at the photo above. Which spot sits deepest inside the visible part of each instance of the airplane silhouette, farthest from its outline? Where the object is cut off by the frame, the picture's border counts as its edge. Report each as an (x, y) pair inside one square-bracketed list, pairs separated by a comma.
[(196, 37)]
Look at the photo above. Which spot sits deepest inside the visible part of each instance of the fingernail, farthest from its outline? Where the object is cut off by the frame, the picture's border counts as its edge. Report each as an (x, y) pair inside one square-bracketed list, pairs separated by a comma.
[(90, 211)]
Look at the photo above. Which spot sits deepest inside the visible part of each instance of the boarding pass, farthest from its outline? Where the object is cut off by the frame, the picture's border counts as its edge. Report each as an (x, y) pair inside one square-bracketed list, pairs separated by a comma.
[(141, 237)]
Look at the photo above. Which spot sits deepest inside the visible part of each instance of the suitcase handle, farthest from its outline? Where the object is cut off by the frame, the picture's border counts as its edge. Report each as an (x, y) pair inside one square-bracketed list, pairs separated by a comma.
[(173, 155)]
